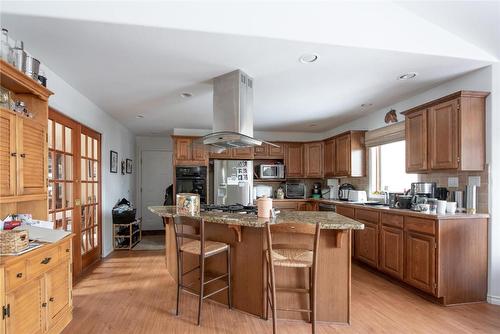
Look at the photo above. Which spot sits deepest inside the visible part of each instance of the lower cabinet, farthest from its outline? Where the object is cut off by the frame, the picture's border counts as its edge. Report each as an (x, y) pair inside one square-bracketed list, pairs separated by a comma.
[(420, 261), (37, 290), (391, 251), (366, 244)]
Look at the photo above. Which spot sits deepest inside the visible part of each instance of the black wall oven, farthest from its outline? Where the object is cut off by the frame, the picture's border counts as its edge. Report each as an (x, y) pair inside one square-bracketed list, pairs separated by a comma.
[(192, 179)]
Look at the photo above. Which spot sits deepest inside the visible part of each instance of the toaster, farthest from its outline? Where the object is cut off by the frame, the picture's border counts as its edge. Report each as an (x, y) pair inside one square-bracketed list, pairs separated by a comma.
[(358, 196)]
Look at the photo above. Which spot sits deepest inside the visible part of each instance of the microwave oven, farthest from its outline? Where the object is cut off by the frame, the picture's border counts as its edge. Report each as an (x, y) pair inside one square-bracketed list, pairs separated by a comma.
[(272, 172)]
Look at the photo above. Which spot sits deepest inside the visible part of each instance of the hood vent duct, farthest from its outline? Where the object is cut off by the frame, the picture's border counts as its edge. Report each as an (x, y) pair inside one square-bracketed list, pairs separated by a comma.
[(232, 113)]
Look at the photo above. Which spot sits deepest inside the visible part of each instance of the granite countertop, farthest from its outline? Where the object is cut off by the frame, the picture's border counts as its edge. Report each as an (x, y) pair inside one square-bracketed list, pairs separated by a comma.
[(327, 220)]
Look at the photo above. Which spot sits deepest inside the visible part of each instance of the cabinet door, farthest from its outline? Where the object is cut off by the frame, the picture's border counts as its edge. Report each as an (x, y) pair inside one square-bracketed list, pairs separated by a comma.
[(277, 152), (198, 152), (242, 153), (58, 296), (182, 148), (305, 206), (31, 157), (343, 155), (7, 153), (226, 154), (420, 261), (285, 205), (295, 160), (27, 314), (416, 141), (366, 244), (261, 151), (313, 161), (391, 251), (443, 135), (329, 158)]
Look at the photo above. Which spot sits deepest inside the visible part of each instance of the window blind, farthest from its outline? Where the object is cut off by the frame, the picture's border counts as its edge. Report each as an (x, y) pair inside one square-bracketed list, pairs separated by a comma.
[(387, 134)]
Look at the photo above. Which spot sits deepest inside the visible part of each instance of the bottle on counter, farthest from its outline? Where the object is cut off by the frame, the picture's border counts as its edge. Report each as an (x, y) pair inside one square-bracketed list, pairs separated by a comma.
[(280, 194)]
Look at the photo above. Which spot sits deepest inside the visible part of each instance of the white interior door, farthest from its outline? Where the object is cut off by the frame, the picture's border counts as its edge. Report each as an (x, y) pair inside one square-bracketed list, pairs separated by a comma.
[(156, 176)]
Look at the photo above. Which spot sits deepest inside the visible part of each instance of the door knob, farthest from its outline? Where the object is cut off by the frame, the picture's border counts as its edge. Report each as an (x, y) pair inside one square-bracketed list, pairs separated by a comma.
[(14, 154)]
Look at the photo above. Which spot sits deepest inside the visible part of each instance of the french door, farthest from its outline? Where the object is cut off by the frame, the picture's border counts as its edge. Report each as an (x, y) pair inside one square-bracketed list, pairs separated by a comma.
[(74, 158)]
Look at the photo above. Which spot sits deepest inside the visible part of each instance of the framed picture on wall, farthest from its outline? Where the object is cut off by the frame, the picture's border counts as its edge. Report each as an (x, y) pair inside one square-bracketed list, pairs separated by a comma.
[(113, 162), (129, 166)]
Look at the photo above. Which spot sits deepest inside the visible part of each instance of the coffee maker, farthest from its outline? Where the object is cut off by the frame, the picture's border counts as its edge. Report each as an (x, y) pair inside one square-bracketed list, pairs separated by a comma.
[(421, 192), (316, 190)]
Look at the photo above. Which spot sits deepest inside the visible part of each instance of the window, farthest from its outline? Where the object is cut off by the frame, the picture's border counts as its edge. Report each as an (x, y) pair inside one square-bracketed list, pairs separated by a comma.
[(388, 168)]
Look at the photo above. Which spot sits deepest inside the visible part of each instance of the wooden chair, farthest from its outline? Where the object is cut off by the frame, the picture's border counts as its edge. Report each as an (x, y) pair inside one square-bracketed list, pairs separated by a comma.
[(193, 242), (292, 255)]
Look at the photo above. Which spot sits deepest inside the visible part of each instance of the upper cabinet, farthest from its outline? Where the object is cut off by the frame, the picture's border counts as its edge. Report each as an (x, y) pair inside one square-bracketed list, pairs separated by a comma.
[(244, 153), (186, 152), (294, 160), (344, 155), (266, 151), (447, 134), (313, 159)]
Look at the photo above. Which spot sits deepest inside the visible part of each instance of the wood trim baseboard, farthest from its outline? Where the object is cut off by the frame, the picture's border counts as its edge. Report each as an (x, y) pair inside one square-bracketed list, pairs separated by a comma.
[(495, 300)]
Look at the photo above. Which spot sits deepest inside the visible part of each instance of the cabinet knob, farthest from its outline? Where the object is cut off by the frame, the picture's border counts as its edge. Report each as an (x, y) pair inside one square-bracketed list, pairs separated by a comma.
[(13, 154), (19, 275), (51, 299), (23, 155), (44, 304), (67, 250), (46, 260)]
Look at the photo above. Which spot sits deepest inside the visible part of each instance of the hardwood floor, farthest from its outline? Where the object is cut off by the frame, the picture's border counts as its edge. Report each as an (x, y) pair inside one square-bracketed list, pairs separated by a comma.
[(129, 292)]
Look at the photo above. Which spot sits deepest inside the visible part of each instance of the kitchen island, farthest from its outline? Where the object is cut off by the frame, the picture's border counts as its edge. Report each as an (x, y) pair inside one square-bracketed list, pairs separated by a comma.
[(246, 235)]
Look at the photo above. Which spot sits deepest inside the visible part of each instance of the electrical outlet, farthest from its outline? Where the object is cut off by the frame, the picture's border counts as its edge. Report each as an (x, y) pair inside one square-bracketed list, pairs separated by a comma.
[(453, 182), (474, 181)]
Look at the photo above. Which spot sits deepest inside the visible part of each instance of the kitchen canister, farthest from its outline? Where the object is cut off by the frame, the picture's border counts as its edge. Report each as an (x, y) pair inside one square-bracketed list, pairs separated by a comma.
[(264, 207), (451, 207), (188, 204), (441, 207)]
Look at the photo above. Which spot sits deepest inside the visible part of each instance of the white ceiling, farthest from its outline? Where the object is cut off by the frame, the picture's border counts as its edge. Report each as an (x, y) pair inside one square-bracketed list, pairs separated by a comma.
[(136, 59)]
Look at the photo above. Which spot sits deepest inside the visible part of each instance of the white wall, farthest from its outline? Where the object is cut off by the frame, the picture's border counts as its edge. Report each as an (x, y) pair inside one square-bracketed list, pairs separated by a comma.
[(485, 79), (144, 143), (114, 136)]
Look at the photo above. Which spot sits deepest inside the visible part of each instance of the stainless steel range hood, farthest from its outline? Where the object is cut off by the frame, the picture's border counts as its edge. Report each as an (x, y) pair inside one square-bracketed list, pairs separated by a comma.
[(233, 113)]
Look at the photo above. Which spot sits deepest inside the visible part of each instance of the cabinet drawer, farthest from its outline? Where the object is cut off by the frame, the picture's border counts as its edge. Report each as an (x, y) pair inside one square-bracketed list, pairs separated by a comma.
[(287, 206), (345, 211), (367, 215), (391, 220), (420, 225), (15, 275), (65, 250), (43, 261)]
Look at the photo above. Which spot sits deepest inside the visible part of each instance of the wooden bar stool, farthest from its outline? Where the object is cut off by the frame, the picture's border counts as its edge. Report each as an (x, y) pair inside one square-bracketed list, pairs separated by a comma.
[(292, 255), (190, 239)]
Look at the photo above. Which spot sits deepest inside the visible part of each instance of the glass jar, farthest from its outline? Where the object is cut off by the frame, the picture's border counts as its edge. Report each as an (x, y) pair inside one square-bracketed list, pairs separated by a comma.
[(6, 49)]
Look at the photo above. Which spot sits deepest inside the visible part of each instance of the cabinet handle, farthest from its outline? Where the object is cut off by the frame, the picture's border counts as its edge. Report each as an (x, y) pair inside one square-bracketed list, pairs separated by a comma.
[(23, 155), (46, 260), (13, 154), (44, 304), (19, 275), (51, 299), (67, 250)]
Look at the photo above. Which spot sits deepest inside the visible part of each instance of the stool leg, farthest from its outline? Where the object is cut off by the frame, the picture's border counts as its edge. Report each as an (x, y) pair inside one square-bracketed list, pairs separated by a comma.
[(310, 295), (273, 298), (179, 281), (229, 298), (313, 298), (202, 280), (266, 316)]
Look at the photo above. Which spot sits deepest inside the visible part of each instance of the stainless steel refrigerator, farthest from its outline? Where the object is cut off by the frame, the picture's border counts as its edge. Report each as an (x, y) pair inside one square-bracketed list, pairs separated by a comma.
[(233, 182)]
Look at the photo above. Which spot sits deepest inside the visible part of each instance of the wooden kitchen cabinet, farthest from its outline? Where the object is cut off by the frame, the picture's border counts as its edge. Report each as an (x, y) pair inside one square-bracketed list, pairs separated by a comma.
[(244, 153), (266, 151), (37, 290), (23, 152), (391, 251), (343, 155), (366, 244), (416, 141), (294, 160), (313, 159), (187, 154), (329, 158), (447, 133), (420, 261)]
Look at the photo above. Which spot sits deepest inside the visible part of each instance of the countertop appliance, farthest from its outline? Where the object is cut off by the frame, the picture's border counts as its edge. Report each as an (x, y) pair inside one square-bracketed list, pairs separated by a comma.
[(233, 182), (192, 179), (458, 196), (393, 199), (295, 190), (404, 202), (276, 171), (333, 184), (442, 193), (357, 196), (316, 190), (427, 189), (261, 190), (326, 207), (344, 191)]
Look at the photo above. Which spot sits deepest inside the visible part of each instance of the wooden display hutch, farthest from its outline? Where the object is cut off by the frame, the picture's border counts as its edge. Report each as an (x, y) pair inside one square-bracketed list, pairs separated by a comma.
[(130, 232)]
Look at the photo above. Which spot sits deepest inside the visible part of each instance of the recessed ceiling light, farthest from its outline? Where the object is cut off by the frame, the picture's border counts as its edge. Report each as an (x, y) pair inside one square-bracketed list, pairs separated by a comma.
[(308, 58), (139, 116), (407, 76), (313, 125), (186, 95), (365, 105)]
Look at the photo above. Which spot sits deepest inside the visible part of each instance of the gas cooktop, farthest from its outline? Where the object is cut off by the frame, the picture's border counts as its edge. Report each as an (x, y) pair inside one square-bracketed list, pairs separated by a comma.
[(235, 208)]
